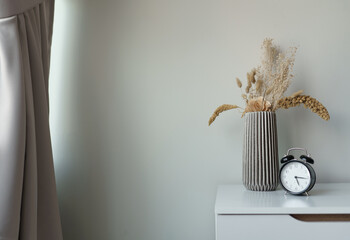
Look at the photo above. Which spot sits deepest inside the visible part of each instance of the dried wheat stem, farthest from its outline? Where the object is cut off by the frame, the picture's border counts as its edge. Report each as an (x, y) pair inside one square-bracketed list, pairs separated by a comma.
[(297, 93), (309, 102), (221, 109)]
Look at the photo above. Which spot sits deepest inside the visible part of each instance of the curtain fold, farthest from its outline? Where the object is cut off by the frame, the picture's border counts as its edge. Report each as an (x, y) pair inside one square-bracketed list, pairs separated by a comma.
[(28, 199)]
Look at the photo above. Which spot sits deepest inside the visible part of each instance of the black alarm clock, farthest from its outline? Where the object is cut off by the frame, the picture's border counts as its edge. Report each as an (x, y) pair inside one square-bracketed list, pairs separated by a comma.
[(297, 175)]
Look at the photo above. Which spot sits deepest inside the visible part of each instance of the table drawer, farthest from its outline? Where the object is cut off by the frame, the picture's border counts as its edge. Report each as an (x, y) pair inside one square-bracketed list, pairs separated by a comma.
[(277, 227)]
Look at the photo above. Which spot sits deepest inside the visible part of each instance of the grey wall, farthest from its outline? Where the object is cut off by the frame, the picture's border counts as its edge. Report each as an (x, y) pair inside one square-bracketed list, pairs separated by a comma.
[(134, 82)]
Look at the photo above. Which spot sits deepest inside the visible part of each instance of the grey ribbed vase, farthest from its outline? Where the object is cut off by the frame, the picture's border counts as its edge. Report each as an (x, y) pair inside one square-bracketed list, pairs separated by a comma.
[(260, 151)]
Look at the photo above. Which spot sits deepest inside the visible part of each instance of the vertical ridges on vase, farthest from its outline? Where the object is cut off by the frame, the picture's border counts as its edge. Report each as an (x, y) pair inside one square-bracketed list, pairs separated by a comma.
[(260, 152)]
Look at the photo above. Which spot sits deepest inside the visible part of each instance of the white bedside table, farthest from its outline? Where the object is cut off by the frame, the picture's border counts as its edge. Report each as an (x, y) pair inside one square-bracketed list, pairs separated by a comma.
[(243, 215)]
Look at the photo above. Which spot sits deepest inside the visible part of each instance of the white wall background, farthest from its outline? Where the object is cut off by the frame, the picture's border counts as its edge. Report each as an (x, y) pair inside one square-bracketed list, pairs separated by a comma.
[(134, 82)]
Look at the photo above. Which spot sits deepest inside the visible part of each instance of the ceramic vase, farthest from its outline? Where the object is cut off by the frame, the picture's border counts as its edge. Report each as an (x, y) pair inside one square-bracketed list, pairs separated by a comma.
[(260, 151)]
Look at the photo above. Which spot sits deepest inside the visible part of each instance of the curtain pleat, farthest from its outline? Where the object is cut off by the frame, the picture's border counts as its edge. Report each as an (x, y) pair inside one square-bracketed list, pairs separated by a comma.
[(28, 199)]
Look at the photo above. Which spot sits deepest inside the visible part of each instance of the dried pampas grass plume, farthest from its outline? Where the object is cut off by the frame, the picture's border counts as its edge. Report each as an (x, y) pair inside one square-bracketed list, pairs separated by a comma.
[(275, 71), (268, 91), (221, 109)]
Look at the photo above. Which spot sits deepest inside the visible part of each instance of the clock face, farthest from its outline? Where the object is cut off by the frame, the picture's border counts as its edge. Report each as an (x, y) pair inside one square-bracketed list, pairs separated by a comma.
[(295, 177)]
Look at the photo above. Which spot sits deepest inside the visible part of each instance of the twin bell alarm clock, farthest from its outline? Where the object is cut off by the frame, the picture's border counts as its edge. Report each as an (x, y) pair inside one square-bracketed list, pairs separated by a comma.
[(297, 176)]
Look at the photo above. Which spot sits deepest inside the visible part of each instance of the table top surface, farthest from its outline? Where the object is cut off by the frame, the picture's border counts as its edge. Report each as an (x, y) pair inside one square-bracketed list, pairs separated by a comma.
[(324, 198)]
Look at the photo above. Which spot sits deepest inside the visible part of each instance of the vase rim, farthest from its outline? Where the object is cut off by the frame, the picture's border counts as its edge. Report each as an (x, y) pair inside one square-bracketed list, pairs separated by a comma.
[(272, 112)]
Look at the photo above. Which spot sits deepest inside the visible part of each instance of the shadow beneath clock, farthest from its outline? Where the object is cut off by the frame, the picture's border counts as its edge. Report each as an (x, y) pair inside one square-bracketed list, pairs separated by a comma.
[(319, 192)]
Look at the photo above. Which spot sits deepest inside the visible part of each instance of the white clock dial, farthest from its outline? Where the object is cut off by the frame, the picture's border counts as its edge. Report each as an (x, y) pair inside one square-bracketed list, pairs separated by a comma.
[(295, 177)]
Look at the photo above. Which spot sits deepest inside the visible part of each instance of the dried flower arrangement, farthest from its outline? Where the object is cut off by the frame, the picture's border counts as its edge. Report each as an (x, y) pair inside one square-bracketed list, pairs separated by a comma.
[(267, 83)]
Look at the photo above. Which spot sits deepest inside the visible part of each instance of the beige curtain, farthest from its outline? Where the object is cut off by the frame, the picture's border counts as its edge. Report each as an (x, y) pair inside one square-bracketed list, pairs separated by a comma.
[(28, 201)]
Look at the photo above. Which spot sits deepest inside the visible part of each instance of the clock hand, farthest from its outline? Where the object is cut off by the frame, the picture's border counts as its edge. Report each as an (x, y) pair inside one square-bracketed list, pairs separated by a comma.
[(296, 178), (301, 177)]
